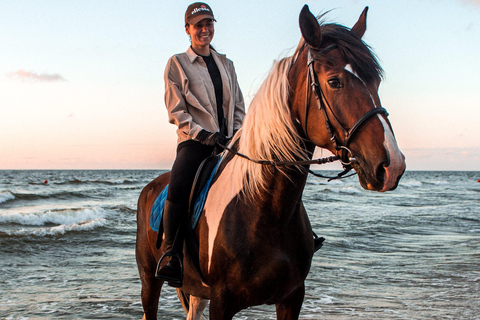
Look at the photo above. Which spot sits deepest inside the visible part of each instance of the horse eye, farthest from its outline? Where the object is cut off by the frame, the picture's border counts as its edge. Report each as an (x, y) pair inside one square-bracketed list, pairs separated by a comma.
[(335, 83)]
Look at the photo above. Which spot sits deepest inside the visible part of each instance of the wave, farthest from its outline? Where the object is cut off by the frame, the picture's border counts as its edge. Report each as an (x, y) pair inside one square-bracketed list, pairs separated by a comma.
[(59, 230), (54, 195), (345, 190), (438, 183), (324, 182), (60, 217), (63, 221), (416, 183), (411, 184), (96, 181), (129, 210), (6, 196)]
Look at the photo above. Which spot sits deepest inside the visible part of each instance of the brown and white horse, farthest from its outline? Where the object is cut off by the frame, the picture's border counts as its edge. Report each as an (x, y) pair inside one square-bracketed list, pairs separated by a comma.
[(255, 243)]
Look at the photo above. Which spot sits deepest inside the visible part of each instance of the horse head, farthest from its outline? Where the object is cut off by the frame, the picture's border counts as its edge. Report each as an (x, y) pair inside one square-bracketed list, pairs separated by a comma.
[(339, 108)]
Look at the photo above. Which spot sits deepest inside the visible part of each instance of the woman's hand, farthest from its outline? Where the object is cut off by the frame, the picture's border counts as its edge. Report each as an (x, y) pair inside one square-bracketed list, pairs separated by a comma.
[(212, 139)]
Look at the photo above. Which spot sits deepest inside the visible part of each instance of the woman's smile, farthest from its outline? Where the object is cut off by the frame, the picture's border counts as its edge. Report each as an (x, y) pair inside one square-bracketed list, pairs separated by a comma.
[(201, 34)]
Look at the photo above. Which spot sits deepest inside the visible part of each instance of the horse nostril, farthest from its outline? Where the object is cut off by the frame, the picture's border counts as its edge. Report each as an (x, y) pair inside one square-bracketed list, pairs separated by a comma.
[(380, 172)]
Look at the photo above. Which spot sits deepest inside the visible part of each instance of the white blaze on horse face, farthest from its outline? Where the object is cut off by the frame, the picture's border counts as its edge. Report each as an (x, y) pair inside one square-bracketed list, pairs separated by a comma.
[(397, 160), (348, 67), (220, 195)]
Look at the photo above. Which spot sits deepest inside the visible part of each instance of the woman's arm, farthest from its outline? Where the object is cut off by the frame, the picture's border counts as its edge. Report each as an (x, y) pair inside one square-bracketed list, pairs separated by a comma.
[(175, 101)]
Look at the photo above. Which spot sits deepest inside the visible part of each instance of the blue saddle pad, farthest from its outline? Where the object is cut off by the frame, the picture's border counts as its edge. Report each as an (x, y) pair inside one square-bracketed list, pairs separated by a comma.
[(157, 209)]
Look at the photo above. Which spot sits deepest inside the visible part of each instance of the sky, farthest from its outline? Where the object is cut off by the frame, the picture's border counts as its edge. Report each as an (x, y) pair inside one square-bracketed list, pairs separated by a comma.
[(81, 82)]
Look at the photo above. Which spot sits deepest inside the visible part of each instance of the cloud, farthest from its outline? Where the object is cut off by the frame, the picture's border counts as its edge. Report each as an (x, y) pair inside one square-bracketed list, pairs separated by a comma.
[(32, 76)]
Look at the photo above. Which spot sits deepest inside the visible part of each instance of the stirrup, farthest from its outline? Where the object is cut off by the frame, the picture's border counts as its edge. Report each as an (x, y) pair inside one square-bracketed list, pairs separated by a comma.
[(172, 281), (317, 242)]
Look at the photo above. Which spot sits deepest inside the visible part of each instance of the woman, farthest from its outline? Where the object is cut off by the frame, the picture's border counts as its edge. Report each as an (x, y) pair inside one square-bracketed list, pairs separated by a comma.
[(205, 102)]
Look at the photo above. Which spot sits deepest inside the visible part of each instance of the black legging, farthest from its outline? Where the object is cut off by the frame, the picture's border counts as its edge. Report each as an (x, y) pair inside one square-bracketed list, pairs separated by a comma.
[(190, 155)]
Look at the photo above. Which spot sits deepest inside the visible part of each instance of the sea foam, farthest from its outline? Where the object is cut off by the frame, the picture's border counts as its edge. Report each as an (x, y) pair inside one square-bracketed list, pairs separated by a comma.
[(60, 217), (65, 220), (61, 229)]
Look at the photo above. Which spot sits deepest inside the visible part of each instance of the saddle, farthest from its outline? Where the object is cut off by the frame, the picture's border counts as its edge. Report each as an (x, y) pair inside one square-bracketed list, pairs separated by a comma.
[(198, 194)]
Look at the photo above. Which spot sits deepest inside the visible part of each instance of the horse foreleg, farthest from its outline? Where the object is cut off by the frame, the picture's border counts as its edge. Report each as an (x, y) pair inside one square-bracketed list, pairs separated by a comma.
[(289, 309), (223, 306)]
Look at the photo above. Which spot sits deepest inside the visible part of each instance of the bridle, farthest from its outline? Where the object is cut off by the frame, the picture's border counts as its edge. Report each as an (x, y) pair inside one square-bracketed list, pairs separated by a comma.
[(343, 153)]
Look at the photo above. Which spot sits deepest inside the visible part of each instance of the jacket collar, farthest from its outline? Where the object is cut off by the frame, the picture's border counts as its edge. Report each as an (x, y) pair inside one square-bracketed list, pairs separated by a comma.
[(191, 54)]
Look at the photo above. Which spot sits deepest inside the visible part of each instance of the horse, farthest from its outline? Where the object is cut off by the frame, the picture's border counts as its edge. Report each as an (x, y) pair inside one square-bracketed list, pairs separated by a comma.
[(254, 242)]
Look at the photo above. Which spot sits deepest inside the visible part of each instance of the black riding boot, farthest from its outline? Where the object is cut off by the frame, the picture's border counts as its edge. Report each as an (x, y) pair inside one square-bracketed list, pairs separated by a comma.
[(170, 266)]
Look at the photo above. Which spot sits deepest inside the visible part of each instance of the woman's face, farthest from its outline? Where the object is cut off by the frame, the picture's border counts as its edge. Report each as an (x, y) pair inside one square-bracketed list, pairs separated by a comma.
[(201, 33)]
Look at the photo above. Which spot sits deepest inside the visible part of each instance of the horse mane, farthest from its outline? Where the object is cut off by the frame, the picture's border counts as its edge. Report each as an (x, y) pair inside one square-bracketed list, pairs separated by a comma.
[(268, 131)]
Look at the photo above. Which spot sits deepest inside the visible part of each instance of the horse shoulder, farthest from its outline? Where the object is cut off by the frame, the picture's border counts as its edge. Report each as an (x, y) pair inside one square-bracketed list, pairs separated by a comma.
[(223, 191)]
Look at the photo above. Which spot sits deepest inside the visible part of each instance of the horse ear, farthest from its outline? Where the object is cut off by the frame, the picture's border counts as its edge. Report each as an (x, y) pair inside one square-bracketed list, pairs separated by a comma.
[(361, 25), (310, 28)]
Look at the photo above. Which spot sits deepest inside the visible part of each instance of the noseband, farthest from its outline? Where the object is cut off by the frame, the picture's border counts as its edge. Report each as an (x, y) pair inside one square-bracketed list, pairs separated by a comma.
[(343, 152)]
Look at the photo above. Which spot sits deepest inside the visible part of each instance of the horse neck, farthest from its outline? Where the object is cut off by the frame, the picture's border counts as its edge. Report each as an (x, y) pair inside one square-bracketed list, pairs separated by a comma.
[(284, 190), (280, 194), (271, 131)]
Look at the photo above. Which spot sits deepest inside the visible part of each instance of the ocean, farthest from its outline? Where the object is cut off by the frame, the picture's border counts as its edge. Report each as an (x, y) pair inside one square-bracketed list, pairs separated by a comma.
[(67, 248)]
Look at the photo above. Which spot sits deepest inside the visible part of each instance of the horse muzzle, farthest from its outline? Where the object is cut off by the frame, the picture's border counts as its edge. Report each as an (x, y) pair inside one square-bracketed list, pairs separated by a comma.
[(393, 172)]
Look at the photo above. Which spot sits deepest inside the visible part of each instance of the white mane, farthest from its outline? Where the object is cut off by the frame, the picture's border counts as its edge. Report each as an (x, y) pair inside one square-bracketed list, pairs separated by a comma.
[(268, 132)]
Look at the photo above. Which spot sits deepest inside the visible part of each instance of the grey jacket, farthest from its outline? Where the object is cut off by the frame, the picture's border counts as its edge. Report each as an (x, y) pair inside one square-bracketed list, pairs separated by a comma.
[(190, 95)]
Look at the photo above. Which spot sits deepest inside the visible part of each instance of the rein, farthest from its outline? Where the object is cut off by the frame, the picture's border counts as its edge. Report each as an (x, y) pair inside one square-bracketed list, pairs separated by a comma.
[(325, 160), (284, 163), (344, 154)]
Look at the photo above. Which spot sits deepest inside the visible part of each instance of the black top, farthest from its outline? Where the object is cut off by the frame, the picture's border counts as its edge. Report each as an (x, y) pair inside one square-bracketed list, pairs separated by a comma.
[(217, 84)]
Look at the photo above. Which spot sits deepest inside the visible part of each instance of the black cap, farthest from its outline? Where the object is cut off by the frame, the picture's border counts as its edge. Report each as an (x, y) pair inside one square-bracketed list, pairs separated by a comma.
[(198, 11)]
